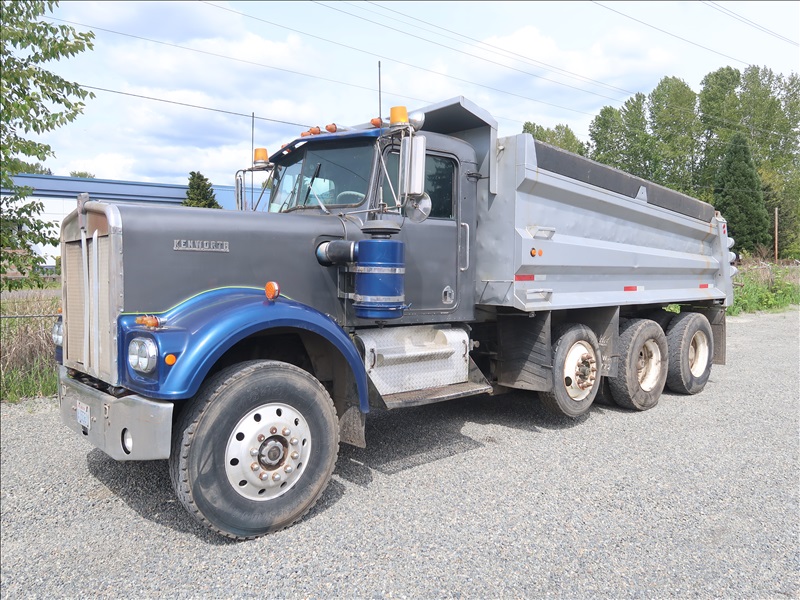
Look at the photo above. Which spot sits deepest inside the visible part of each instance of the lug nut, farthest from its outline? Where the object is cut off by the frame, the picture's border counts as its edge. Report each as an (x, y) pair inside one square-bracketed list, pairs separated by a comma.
[(288, 468), (293, 441), (273, 430), (261, 437), (253, 451), (254, 466), (276, 477), (295, 455), (286, 431), (263, 476)]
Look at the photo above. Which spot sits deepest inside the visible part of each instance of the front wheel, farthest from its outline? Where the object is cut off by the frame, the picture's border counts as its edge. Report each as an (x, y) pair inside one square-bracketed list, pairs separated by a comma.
[(255, 449), (576, 358)]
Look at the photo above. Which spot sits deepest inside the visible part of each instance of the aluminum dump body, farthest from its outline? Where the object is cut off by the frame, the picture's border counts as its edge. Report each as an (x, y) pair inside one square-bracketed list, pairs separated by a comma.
[(566, 232)]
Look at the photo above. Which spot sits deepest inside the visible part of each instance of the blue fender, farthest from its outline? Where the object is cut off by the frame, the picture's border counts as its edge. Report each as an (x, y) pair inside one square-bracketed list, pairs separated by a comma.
[(200, 330)]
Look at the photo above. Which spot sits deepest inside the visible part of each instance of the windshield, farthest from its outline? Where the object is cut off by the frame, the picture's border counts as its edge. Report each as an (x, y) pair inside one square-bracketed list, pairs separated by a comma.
[(323, 175)]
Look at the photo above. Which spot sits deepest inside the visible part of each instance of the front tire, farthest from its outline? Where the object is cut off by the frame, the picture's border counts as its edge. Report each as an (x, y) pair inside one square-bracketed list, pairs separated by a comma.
[(576, 358), (255, 450)]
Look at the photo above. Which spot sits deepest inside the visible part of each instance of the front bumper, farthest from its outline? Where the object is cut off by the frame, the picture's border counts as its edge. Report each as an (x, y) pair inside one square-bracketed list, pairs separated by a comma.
[(105, 420)]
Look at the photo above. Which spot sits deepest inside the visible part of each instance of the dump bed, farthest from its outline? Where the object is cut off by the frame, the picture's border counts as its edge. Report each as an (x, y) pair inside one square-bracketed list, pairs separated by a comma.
[(563, 231)]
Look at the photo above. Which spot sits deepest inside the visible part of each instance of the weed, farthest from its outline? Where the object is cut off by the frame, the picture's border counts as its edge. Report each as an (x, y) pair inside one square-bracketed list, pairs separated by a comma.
[(764, 286), (27, 366)]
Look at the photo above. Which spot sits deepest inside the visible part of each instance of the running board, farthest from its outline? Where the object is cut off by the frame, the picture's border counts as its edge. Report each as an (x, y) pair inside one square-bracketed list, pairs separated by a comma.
[(438, 394)]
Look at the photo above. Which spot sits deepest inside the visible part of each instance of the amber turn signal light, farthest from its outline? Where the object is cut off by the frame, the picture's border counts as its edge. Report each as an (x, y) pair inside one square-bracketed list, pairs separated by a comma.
[(272, 290)]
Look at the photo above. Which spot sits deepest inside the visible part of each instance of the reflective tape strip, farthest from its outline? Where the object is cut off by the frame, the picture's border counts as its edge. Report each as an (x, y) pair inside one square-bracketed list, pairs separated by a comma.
[(524, 277), (633, 288)]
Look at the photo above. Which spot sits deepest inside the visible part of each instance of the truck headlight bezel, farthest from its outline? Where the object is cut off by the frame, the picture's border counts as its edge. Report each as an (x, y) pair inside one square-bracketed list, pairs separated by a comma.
[(142, 355)]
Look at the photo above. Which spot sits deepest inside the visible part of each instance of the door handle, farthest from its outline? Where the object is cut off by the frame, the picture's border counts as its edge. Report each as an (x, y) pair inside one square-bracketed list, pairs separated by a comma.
[(466, 245)]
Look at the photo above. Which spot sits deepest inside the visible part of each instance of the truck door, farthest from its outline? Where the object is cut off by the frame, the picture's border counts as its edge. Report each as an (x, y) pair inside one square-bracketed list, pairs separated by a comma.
[(434, 251)]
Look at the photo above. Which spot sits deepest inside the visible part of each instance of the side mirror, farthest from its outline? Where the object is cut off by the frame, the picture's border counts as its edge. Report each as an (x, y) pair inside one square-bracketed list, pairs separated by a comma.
[(412, 167)]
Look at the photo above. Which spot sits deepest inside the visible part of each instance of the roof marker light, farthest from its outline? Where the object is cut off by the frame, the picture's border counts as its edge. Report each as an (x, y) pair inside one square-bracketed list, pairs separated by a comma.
[(333, 128)]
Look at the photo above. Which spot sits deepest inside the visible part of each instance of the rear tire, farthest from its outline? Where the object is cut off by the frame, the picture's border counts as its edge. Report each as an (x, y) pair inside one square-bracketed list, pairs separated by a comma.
[(576, 357), (662, 317), (691, 353), (642, 370), (255, 449)]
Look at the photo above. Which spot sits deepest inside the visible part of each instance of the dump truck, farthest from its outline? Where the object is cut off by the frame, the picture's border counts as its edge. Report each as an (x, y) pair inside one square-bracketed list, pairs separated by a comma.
[(400, 262)]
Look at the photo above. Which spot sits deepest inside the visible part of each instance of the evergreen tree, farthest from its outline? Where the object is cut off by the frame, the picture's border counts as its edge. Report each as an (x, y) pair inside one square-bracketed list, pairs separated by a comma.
[(200, 192), (738, 196)]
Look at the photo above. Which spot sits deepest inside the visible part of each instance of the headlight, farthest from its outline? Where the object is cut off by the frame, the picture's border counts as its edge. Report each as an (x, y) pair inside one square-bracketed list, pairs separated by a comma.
[(57, 333), (142, 355)]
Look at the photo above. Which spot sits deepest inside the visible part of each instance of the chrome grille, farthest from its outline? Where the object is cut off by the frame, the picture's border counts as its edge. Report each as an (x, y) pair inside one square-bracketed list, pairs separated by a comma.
[(89, 322)]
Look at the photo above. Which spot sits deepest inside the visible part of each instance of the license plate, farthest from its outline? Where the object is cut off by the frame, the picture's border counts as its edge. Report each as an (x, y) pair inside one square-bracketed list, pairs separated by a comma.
[(84, 415)]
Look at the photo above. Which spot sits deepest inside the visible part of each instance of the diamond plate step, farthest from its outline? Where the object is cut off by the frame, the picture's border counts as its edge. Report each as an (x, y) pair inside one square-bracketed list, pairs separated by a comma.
[(437, 394)]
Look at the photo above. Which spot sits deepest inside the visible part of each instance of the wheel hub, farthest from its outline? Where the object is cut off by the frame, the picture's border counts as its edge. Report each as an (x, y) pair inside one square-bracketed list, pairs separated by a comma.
[(580, 371), (272, 452), (267, 451), (648, 365)]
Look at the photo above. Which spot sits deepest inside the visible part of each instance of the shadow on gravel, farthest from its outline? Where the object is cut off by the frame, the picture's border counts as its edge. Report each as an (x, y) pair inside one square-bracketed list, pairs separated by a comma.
[(406, 438), (145, 487), (396, 441)]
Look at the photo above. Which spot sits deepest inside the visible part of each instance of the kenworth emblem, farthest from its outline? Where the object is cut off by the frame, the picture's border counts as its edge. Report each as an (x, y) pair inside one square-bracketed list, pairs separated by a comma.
[(201, 246)]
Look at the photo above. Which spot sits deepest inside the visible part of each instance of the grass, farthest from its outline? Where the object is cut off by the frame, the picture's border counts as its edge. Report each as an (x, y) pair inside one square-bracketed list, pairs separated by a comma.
[(27, 365), (761, 286)]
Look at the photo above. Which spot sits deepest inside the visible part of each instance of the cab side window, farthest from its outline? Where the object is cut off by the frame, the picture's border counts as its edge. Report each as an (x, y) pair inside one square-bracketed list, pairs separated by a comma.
[(440, 183)]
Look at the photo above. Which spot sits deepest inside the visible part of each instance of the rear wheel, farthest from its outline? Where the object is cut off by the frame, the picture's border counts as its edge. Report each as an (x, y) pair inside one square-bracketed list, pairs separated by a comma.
[(662, 317), (642, 370), (691, 353), (255, 449), (576, 357)]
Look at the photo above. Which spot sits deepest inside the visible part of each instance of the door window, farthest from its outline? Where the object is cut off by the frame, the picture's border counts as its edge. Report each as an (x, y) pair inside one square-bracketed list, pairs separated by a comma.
[(440, 179)]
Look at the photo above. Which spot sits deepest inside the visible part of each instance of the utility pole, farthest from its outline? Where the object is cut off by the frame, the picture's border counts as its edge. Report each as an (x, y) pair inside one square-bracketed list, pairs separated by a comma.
[(776, 234)]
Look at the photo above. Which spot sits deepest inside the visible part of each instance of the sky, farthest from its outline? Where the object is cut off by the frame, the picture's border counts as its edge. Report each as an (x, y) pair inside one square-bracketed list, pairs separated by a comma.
[(195, 85)]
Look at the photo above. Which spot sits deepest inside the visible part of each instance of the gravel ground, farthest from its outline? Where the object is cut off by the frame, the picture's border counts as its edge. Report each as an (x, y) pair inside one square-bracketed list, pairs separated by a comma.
[(480, 498)]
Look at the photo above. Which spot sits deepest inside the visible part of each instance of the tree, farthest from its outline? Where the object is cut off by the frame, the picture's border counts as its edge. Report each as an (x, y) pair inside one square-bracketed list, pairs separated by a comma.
[(606, 132), (637, 143), (34, 100), (738, 196), (675, 128), (200, 192), (720, 118), (83, 174), (562, 136), (37, 169)]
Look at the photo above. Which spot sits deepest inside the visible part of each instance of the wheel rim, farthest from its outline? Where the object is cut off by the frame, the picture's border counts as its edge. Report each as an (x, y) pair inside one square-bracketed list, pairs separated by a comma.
[(580, 371), (267, 451), (698, 354), (648, 365)]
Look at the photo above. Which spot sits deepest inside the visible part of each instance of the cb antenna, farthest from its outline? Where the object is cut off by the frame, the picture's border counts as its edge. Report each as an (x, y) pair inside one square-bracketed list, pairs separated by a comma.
[(380, 111)]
